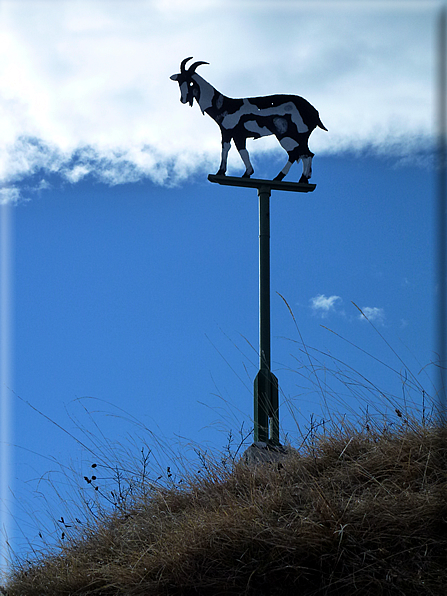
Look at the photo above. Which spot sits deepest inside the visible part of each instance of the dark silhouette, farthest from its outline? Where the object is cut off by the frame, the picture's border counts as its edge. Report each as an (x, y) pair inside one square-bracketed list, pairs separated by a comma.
[(289, 117)]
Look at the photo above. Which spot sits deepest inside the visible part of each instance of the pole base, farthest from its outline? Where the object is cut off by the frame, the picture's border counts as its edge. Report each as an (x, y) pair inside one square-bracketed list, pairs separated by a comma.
[(266, 408), (263, 453)]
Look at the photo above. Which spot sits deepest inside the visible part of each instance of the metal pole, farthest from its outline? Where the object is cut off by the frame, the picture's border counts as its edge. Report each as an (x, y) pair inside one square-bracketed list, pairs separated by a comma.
[(266, 404), (264, 278)]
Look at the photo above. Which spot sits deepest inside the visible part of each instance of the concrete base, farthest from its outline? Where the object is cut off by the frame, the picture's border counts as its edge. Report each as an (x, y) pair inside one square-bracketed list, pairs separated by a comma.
[(260, 453)]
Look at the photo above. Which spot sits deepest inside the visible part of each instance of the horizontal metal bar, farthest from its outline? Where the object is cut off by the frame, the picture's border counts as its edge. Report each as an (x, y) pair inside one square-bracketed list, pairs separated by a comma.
[(259, 183)]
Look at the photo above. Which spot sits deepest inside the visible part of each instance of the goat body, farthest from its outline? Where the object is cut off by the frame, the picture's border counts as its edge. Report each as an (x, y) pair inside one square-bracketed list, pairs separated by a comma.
[(289, 117)]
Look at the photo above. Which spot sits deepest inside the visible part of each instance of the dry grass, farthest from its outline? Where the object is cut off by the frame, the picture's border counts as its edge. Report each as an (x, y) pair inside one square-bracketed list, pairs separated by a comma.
[(350, 512)]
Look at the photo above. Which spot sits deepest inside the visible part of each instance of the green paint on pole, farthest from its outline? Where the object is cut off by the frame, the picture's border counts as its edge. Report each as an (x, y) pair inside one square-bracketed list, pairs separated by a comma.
[(266, 406)]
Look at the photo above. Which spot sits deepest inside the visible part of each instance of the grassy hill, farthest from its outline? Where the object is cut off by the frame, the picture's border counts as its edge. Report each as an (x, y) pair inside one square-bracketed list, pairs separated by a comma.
[(352, 511)]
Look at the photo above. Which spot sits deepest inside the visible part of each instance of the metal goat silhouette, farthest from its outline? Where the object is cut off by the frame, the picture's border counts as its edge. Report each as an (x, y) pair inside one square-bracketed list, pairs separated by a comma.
[(289, 117)]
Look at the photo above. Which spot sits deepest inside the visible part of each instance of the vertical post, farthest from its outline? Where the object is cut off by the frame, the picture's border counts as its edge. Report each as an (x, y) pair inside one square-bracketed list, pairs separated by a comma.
[(264, 277), (266, 404)]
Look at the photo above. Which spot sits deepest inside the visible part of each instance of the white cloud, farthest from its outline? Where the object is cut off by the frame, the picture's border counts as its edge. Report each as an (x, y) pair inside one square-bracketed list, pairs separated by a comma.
[(323, 305), (77, 173), (373, 314), (91, 78)]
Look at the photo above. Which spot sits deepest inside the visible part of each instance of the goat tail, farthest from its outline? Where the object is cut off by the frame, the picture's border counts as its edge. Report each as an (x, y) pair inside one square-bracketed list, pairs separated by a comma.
[(321, 125)]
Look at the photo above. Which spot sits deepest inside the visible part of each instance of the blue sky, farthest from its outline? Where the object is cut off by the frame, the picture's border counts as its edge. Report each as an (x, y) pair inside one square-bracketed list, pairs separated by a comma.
[(133, 281)]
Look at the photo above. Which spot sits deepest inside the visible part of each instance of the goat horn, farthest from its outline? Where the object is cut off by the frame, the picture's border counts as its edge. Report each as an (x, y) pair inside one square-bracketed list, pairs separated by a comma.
[(193, 67), (182, 65)]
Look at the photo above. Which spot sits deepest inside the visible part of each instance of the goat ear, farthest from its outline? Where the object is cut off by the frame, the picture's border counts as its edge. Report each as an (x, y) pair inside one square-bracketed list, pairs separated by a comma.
[(174, 77)]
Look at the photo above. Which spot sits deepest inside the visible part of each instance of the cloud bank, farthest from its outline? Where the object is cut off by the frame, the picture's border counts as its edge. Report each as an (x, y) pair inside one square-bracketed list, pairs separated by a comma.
[(85, 88)]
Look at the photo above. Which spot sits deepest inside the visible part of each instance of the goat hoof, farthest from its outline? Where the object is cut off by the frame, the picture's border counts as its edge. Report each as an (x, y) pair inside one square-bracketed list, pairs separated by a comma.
[(304, 180), (220, 173), (279, 177)]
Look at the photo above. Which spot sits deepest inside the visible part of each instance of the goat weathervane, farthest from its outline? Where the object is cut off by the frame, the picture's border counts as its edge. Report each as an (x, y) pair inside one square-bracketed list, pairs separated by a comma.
[(290, 118)]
